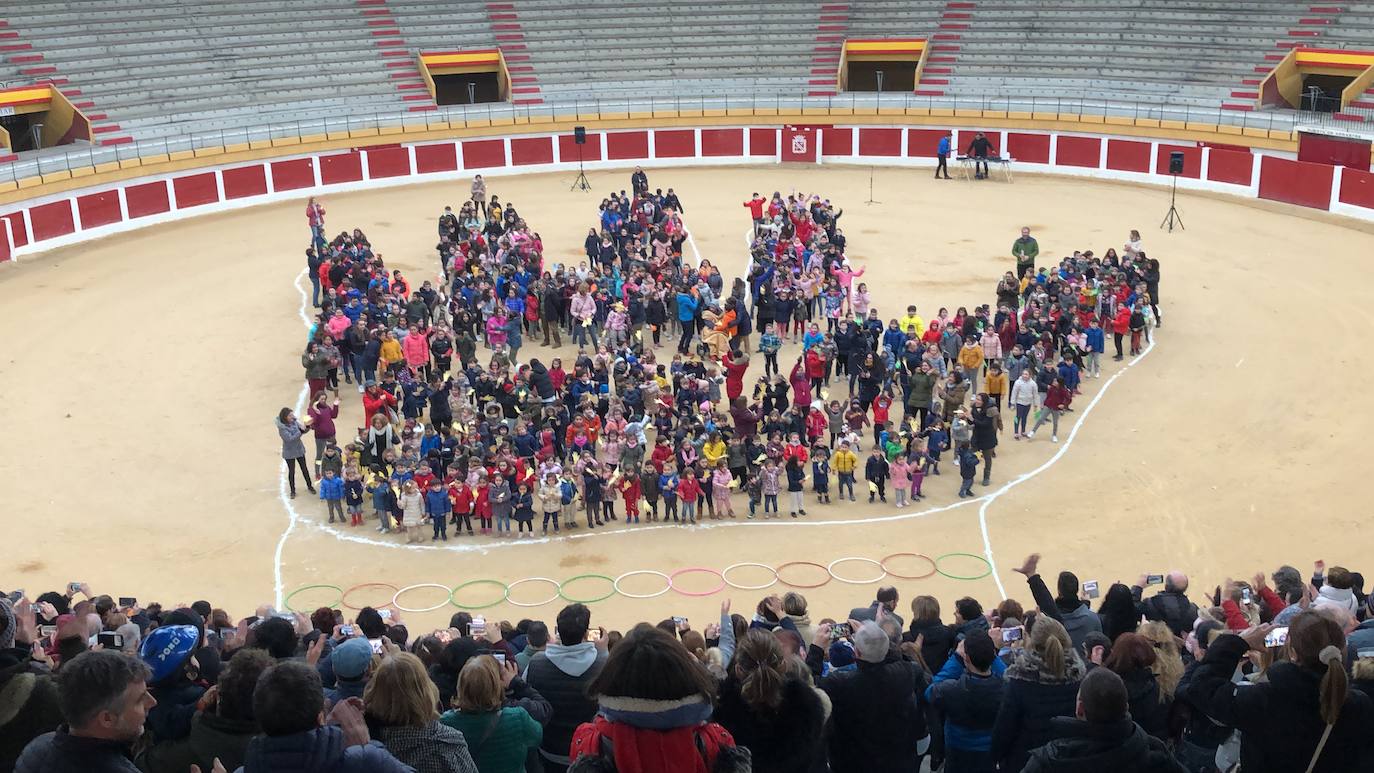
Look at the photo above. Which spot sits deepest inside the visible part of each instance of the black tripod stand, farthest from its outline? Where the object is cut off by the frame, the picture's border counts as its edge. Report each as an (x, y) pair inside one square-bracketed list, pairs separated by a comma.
[(580, 182), (1173, 216)]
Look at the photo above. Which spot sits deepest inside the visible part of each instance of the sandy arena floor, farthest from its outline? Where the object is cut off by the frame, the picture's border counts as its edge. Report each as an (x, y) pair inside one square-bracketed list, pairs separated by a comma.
[(142, 373)]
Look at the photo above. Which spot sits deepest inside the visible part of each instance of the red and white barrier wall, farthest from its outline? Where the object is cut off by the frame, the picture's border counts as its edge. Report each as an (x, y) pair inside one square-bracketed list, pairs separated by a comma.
[(74, 216)]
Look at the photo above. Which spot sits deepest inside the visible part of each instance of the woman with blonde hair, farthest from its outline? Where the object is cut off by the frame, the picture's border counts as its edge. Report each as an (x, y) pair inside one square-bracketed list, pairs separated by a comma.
[(498, 738), (1168, 666), (1041, 684), (399, 705)]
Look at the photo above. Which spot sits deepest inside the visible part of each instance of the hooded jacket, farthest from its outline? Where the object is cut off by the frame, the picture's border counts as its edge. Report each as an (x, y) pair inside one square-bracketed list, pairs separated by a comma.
[(212, 736), (878, 715), (317, 751), (1089, 747), (561, 674)]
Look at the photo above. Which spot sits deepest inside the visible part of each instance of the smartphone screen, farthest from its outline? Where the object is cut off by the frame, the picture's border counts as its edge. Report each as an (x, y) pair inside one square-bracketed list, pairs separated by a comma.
[(385, 613), (128, 602), (1090, 588), (346, 630), (1013, 634), (73, 587), (1277, 637), (840, 630), (15, 596), (1154, 579), (500, 657), (376, 645)]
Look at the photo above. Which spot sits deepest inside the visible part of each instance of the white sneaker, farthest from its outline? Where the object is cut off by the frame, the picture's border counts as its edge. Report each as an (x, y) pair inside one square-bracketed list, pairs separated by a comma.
[(1029, 435), (1054, 438), (361, 389)]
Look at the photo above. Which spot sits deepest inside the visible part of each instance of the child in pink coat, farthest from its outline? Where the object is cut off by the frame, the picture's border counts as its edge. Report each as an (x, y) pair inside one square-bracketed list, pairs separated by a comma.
[(720, 489), (900, 470), (496, 328)]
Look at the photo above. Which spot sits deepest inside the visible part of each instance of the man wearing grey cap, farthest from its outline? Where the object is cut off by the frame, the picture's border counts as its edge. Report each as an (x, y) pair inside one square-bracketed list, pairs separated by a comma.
[(878, 712)]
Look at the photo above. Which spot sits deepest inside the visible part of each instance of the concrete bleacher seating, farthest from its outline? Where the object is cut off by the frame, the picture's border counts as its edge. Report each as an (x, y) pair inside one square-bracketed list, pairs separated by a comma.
[(660, 50), (167, 67), (1190, 52)]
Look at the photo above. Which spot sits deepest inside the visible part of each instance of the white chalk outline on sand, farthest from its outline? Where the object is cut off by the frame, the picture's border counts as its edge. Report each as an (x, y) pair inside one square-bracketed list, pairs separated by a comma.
[(484, 548)]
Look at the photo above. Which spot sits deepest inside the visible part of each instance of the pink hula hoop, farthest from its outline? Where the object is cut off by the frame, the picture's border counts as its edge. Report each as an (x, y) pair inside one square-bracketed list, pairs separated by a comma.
[(696, 570)]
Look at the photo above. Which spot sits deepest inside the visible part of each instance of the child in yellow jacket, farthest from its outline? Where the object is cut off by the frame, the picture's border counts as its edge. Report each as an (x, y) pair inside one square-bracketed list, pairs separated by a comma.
[(844, 462)]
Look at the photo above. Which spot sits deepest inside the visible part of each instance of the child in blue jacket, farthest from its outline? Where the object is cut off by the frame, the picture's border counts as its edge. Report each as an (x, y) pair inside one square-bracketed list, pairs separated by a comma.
[(332, 492), (437, 508), (353, 496)]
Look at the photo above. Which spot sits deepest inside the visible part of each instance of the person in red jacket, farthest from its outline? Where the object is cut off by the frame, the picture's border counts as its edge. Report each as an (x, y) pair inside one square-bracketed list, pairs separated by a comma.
[(756, 205), (689, 491), (481, 504), (815, 369), (462, 499), (1121, 325), (735, 364), (629, 490), (801, 388), (375, 401), (1056, 400), (654, 711)]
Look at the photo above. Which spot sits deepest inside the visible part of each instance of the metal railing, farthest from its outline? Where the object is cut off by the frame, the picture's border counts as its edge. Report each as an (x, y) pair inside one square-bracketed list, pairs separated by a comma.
[(763, 105)]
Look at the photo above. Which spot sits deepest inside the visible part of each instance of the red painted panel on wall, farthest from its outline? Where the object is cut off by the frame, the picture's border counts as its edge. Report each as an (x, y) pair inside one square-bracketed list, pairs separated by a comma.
[(531, 150), (195, 190), (341, 168), (388, 162), (1356, 188), (763, 142), (1295, 182), (836, 141), (1028, 148), (921, 143), (722, 142), (97, 209), (880, 142), (567, 148), (442, 157), (620, 145), (5, 252), (1192, 160), (52, 220), (293, 174), (1078, 151), (245, 181), (18, 233), (675, 143), (484, 154), (1128, 155), (1230, 166), (146, 199), (1352, 152)]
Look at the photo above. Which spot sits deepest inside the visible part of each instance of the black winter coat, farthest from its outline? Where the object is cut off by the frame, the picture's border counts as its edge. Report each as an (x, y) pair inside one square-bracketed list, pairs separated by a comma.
[(1142, 692), (60, 752), (1032, 698), (787, 740), (1279, 720), (938, 643), (1084, 747), (877, 716)]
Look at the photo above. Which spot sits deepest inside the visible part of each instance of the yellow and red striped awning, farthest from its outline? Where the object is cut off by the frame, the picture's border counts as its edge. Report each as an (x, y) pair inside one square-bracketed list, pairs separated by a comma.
[(1339, 58), (899, 49), (25, 95), (471, 61)]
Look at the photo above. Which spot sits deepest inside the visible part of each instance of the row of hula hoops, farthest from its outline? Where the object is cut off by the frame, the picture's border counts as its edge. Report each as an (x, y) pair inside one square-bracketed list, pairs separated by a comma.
[(614, 584)]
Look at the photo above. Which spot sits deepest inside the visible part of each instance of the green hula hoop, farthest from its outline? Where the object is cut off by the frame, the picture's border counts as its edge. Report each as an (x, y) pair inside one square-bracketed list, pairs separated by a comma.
[(986, 563), (286, 602), (570, 580), (505, 592)]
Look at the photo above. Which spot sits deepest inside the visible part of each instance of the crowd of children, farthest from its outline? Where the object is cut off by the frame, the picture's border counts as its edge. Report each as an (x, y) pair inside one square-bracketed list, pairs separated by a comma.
[(458, 432)]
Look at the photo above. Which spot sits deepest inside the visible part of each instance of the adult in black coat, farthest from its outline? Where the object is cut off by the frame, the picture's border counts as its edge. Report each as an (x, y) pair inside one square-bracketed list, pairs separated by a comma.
[(541, 382), (1101, 736), (1131, 658), (1041, 684), (878, 709), (104, 699), (937, 639), (776, 715), (1170, 606), (986, 422), (1282, 720)]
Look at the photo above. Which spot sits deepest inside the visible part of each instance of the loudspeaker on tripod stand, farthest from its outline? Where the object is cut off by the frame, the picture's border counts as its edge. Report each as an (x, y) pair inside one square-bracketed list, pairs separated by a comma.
[(580, 135), (1175, 162), (579, 139)]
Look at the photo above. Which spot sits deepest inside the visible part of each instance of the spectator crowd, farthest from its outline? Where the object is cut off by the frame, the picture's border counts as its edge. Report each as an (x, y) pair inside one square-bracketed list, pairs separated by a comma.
[(1271, 673)]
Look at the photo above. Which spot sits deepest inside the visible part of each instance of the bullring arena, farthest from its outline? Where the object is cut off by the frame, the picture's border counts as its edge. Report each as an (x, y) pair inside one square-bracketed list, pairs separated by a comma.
[(187, 334)]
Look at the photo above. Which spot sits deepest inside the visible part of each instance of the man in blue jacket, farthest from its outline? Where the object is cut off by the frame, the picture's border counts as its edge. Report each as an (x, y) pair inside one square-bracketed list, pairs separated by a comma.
[(942, 156), (968, 692)]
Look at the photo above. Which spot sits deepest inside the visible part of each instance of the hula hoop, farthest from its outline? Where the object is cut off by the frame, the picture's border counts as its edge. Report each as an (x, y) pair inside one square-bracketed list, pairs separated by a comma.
[(568, 598), (986, 563), (548, 600), (830, 568), (344, 598), (637, 572), (696, 570), (417, 586), (826, 581), (505, 593), (724, 575), (286, 602), (883, 563)]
